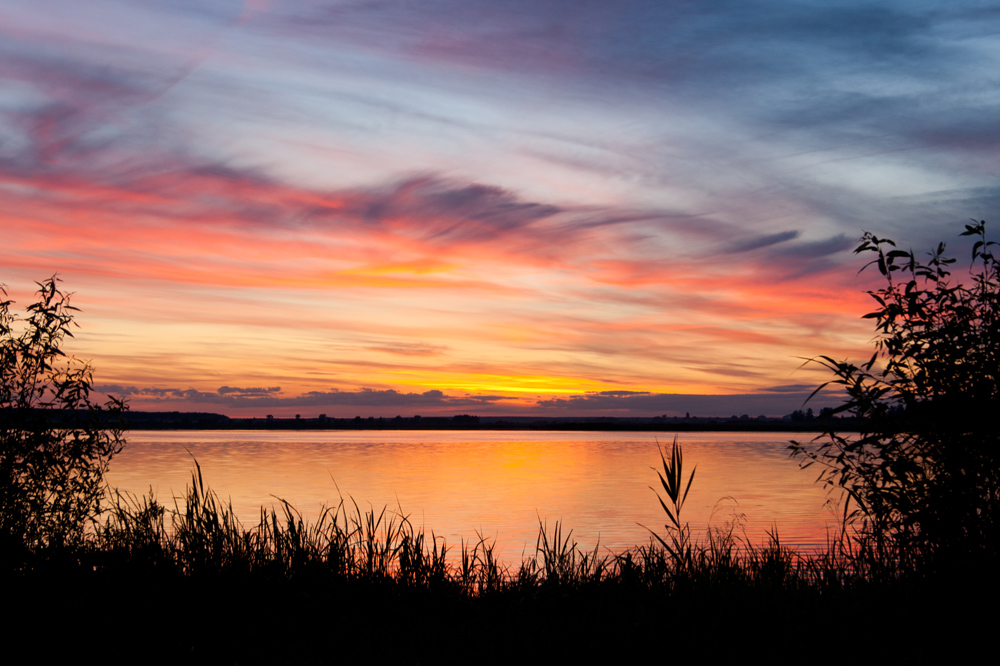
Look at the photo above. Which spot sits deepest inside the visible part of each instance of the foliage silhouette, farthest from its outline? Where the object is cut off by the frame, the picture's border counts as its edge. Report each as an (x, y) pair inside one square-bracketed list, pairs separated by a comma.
[(680, 546), (924, 471), (55, 443)]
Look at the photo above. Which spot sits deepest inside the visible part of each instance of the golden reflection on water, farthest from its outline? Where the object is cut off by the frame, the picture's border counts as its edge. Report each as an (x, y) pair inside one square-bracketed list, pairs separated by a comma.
[(497, 484)]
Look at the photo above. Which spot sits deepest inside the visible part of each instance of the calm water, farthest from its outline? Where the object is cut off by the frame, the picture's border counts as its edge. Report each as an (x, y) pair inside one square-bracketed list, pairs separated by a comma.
[(497, 483)]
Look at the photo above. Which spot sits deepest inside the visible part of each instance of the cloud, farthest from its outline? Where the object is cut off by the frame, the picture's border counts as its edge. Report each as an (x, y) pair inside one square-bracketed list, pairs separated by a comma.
[(773, 401), (249, 392), (86, 101), (651, 404), (758, 242), (442, 213), (789, 388), (821, 248), (227, 397), (798, 260), (410, 349), (189, 221)]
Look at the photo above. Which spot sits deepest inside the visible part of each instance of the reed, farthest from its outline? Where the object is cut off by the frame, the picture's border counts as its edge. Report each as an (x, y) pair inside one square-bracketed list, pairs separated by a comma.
[(201, 535), (677, 542), (562, 560)]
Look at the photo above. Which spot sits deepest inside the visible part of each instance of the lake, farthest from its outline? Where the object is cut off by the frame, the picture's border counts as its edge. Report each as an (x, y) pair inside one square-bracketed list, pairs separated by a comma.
[(498, 484)]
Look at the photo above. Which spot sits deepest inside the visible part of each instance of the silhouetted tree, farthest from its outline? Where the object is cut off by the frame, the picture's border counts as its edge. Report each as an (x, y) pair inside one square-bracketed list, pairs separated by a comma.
[(55, 443), (925, 469)]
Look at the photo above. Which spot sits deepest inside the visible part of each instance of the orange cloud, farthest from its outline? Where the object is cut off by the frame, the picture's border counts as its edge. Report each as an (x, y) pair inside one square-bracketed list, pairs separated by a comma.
[(227, 277)]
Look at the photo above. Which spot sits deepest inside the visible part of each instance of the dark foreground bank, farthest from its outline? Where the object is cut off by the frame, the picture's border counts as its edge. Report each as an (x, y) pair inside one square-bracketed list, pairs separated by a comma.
[(123, 615), (190, 584)]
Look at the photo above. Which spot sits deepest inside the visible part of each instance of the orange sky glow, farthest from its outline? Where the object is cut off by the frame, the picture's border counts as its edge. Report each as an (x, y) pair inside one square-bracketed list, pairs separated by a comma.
[(282, 208)]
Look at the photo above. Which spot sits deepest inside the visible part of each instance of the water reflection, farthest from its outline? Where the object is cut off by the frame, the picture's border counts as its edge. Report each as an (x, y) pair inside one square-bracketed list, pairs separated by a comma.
[(498, 484)]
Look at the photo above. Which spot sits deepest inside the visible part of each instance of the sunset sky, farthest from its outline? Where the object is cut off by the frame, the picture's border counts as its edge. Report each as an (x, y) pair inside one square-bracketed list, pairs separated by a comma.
[(468, 206)]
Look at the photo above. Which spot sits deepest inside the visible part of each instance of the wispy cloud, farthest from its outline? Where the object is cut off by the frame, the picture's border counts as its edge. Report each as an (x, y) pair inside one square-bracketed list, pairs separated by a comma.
[(626, 403), (562, 197)]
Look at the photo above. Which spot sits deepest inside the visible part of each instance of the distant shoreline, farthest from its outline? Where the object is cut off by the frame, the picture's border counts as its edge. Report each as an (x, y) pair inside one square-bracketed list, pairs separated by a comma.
[(138, 420)]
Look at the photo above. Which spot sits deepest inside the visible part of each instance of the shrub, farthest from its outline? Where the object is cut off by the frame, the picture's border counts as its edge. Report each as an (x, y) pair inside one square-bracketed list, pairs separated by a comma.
[(55, 443), (925, 468)]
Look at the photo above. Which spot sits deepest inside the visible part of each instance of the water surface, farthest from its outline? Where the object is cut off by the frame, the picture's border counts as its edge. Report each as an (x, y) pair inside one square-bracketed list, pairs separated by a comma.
[(498, 484)]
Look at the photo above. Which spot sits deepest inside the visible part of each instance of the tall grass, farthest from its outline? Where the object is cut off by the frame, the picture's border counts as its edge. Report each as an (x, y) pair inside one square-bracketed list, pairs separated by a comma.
[(200, 535)]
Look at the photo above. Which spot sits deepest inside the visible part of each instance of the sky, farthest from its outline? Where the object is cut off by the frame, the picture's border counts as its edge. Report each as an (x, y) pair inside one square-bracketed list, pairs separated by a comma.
[(465, 206)]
